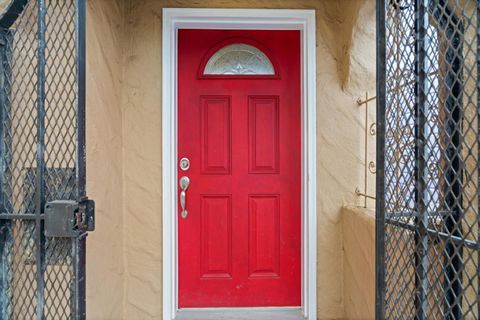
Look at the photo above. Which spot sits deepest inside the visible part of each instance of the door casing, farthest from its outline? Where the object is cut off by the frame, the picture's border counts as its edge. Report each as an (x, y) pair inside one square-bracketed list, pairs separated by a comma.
[(256, 19)]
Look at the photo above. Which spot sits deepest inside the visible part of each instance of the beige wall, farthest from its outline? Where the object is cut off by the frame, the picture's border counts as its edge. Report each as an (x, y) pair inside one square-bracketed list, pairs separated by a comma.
[(105, 247), (359, 262), (124, 144)]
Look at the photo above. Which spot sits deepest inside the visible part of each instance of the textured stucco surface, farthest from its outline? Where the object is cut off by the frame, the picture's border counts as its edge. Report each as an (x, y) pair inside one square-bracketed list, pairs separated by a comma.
[(124, 145), (359, 262), (3, 5), (105, 250)]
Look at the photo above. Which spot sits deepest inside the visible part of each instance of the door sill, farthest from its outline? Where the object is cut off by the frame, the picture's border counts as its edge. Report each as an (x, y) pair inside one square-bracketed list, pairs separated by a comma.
[(283, 313)]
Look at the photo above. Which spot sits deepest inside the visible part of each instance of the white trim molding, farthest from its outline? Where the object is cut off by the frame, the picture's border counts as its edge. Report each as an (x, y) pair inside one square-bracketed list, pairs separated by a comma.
[(255, 19)]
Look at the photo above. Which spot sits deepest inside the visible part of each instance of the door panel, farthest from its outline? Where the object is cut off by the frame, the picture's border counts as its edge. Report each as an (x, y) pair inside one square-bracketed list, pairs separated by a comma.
[(264, 236), (240, 244), (215, 134), (263, 130), (216, 236)]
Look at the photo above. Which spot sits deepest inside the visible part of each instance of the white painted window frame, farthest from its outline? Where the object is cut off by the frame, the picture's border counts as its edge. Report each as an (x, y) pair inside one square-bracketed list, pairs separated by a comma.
[(256, 19)]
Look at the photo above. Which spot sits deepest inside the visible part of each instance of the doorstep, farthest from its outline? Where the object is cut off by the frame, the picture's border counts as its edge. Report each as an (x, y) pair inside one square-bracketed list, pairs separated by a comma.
[(240, 314)]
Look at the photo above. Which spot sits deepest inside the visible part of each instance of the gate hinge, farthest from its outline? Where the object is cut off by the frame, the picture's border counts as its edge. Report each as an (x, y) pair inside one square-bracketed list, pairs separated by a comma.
[(69, 218)]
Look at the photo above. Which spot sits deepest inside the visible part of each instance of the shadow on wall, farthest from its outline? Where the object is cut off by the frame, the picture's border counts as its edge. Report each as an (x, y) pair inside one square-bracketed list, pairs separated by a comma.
[(339, 19)]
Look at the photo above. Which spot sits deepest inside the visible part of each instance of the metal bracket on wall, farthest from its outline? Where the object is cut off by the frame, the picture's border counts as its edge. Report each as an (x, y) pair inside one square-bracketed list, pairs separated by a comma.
[(369, 166)]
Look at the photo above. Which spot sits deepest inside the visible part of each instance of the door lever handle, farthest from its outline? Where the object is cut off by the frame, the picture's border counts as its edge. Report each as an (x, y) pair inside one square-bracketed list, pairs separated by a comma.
[(184, 183)]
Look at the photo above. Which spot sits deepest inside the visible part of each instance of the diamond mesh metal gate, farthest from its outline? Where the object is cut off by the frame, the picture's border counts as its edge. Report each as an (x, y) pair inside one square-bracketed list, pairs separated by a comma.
[(42, 158), (428, 159)]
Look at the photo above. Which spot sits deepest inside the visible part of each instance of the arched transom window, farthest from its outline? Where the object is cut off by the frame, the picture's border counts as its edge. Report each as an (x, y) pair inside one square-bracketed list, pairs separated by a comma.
[(239, 59)]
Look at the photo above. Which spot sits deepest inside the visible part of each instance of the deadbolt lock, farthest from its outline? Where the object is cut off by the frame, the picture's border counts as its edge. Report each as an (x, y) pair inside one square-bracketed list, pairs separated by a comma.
[(184, 164)]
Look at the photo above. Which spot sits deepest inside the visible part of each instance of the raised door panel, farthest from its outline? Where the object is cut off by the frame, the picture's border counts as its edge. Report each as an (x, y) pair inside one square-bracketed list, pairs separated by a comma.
[(264, 236), (216, 151), (263, 133), (216, 236)]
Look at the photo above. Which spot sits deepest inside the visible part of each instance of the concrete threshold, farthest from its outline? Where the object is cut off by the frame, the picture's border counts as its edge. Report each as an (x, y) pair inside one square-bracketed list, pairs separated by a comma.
[(240, 314)]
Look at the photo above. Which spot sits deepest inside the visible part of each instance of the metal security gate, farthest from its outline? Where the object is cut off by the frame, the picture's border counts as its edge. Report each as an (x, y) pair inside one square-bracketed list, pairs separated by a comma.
[(428, 159), (44, 214)]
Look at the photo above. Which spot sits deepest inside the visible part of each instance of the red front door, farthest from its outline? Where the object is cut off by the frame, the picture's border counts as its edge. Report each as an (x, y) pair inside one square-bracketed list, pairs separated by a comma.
[(239, 127)]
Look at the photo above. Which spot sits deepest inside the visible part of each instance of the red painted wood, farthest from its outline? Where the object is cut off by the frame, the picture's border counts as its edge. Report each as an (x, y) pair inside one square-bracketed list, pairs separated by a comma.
[(215, 134), (263, 134), (216, 236), (240, 245), (264, 236)]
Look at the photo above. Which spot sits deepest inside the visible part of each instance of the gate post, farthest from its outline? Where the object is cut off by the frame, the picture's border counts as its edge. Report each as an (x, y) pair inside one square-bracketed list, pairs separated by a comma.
[(80, 242), (5, 238), (380, 160)]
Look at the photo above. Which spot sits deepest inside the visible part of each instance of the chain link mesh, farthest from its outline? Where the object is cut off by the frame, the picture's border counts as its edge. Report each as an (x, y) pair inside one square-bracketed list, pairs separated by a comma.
[(431, 159), (38, 273), (60, 148)]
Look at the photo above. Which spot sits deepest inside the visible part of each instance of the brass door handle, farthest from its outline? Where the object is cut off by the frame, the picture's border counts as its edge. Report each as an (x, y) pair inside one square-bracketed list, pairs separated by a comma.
[(184, 183)]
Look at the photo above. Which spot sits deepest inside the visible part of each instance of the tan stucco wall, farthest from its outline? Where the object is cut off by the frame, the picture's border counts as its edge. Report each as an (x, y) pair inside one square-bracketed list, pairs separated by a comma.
[(124, 145), (105, 249), (359, 262)]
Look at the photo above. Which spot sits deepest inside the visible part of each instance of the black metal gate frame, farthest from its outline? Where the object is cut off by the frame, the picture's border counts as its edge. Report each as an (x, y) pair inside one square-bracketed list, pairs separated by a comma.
[(380, 159), (11, 14)]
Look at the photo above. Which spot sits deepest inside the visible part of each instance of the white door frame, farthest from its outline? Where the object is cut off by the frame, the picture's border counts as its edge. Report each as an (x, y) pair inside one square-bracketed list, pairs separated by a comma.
[(257, 19)]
